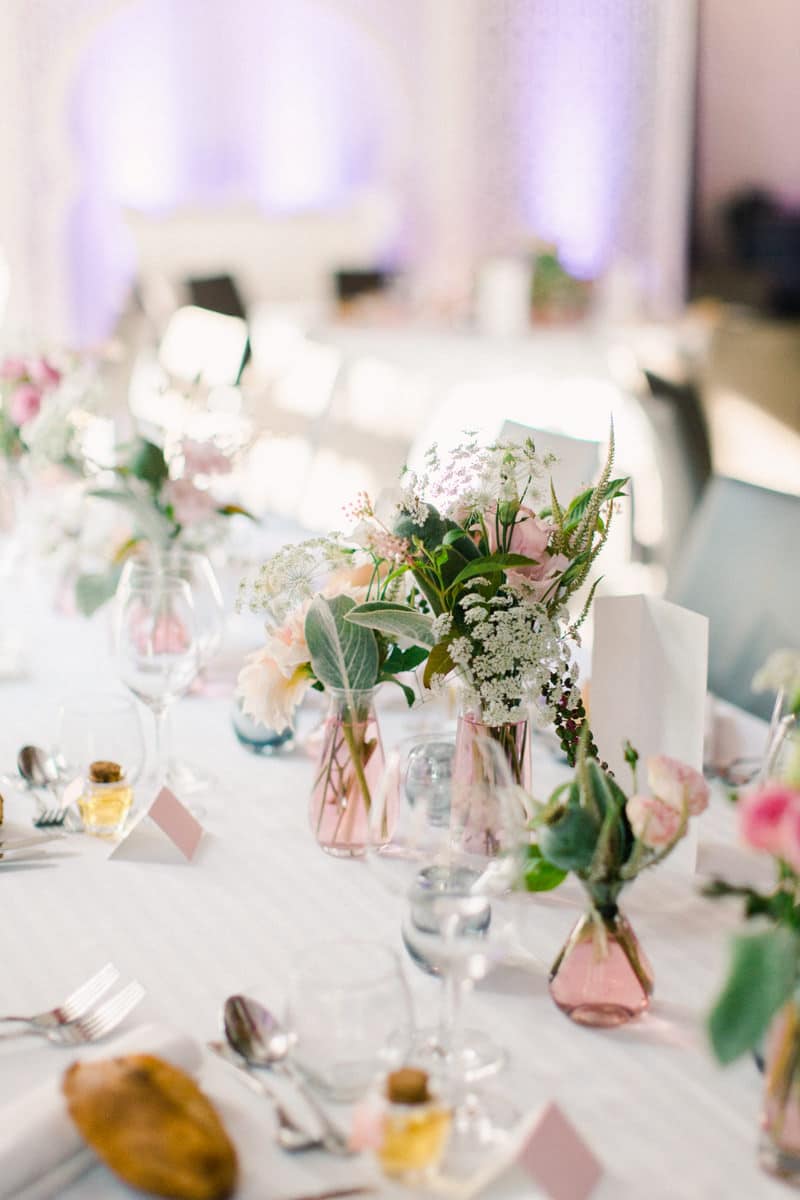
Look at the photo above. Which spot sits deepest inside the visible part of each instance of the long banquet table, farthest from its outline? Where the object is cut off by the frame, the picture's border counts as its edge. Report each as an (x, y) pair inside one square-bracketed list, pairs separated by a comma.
[(663, 1118)]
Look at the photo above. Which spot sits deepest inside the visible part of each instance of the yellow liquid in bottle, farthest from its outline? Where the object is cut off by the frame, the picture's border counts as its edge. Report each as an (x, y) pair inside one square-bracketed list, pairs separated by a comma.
[(104, 806), (413, 1141)]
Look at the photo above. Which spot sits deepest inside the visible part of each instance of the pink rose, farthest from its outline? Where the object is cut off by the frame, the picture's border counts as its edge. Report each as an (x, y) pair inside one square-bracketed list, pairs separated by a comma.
[(769, 819), (203, 458), (529, 536), (190, 504), (653, 822), (13, 368), (677, 785), (24, 404), (43, 374)]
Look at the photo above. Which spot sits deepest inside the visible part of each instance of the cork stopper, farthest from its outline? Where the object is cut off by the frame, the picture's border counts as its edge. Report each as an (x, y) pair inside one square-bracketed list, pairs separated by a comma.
[(407, 1086), (105, 772)]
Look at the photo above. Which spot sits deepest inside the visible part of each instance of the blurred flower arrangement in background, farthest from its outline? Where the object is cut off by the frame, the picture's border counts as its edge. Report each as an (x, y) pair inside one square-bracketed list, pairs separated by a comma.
[(166, 502)]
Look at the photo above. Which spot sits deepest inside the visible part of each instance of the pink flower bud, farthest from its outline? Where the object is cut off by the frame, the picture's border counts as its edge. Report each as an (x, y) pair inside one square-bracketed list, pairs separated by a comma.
[(677, 785), (655, 823)]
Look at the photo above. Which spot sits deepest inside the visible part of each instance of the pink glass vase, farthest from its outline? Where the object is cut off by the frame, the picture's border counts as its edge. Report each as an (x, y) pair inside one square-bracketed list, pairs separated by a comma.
[(350, 765), (602, 977), (486, 757), (779, 1147)]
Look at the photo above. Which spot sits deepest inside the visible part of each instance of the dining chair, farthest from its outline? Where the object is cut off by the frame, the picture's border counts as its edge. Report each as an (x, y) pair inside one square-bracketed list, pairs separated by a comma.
[(740, 566)]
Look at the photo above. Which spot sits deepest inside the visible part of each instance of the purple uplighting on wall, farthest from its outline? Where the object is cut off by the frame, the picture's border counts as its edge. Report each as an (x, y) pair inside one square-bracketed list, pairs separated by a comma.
[(275, 103), (577, 110)]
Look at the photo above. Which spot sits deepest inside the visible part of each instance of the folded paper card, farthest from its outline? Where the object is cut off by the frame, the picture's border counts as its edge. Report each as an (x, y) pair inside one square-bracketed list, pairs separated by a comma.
[(545, 1147), (166, 817), (649, 674), (41, 1151)]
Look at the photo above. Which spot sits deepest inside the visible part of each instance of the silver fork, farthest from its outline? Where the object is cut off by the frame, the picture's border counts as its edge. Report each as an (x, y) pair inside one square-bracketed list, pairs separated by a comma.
[(75, 1005), (56, 817), (103, 1020)]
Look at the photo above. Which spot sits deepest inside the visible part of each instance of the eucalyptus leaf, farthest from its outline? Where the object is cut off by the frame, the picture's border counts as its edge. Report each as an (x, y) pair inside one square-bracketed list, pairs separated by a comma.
[(760, 981), (343, 654), (394, 620)]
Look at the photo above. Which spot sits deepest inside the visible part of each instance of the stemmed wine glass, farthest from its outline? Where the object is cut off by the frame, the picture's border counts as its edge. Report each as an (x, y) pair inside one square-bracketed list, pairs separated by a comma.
[(157, 650), (453, 845), (209, 612)]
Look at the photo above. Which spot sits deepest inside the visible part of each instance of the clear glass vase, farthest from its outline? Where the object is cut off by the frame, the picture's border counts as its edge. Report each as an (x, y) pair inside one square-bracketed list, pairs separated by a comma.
[(779, 1147), (350, 765), (602, 977)]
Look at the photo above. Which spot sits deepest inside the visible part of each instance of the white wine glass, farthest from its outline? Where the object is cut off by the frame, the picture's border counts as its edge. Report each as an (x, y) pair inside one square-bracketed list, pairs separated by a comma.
[(156, 648), (195, 569)]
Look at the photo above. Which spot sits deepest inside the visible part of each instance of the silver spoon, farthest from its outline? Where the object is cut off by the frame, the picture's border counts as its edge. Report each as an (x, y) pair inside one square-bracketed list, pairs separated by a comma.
[(289, 1135), (263, 1042), (37, 768)]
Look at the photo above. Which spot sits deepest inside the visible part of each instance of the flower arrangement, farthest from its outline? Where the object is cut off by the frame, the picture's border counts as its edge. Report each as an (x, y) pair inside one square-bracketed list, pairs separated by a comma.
[(467, 568), (25, 386), (591, 828), (462, 566), (167, 502)]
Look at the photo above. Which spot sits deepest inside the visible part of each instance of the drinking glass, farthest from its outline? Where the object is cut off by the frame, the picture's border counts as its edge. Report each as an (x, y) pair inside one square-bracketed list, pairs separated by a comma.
[(454, 848), (349, 1014), (209, 615), (156, 647), (104, 726)]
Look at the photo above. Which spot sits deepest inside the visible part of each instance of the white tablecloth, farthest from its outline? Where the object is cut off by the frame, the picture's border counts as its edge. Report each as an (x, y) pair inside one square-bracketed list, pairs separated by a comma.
[(665, 1120)]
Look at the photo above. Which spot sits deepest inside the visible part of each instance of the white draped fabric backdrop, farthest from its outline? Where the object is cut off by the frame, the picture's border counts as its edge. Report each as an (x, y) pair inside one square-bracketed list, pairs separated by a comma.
[(494, 121)]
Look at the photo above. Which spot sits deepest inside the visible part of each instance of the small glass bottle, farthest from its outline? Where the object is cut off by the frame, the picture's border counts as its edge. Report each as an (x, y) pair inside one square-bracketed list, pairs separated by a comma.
[(106, 799), (414, 1127)]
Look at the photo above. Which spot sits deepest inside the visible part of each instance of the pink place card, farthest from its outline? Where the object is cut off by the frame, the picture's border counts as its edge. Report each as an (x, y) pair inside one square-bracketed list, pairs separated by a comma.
[(166, 832), (555, 1155), (175, 820)]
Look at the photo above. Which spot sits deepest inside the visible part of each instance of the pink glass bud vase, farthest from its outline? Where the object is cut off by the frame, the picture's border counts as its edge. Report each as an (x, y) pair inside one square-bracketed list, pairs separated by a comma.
[(350, 765), (512, 739), (779, 1147), (602, 977)]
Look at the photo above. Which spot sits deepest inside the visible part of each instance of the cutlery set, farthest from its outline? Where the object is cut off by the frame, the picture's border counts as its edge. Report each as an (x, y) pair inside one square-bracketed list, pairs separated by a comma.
[(255, 1045)]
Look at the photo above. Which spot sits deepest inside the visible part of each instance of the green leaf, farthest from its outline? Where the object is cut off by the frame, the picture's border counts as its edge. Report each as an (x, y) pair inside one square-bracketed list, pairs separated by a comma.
[(541, 875), (94, 590), (492, 564), (404, 660), (394, 620), (112, 494), (235, 510), (577, 509), (439, 663), (343, 655), (148, 463), (569, 842), (407, 691), (761, 979)]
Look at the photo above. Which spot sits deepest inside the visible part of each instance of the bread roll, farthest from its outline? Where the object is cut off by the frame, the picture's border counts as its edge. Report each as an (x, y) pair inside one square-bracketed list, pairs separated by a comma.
[(151, 1124)]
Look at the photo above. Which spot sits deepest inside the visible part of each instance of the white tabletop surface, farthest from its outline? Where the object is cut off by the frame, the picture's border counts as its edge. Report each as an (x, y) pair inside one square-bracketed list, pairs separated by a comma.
[(663, 1118)]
